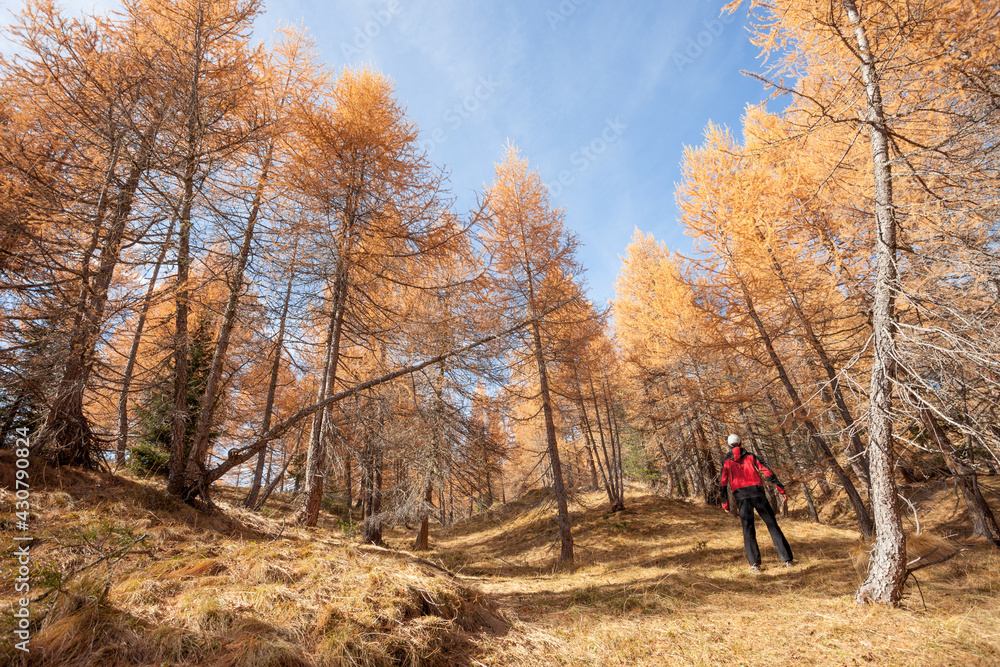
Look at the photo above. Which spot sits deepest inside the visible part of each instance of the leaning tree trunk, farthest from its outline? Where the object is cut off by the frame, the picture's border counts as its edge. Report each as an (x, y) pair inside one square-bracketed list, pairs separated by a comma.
[(616, 447), (859, 458), (565, 529), (984, 523), (589, 437), (66, 436), (887, 571), (865, 524), (799, 468), (612, 478), (591, 445)]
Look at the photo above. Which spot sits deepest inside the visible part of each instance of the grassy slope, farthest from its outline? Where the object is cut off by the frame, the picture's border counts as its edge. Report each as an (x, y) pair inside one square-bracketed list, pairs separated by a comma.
[(239, 589), (667, 583), (664, 583)]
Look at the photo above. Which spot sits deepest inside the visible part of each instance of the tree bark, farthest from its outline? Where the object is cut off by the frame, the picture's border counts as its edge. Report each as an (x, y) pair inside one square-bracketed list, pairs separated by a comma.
[(316, 456), (710, 471), (616, 448), (66, 435), (887, 571), (565, 529), (179, 415), (195, 476), (588, 435), (371, 529), (608, 472), (423, 540)]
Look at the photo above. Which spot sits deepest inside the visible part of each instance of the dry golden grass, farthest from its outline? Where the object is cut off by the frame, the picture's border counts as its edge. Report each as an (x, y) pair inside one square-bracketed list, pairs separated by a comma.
[(667, 583), (234, 589), (664, 583)]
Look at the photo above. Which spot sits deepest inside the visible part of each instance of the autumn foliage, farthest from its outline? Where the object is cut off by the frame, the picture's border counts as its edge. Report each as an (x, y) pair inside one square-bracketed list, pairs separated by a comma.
[(226, 261)]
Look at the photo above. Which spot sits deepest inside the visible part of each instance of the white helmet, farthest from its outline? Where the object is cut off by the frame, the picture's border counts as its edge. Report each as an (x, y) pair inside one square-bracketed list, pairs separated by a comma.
[(734, 440)]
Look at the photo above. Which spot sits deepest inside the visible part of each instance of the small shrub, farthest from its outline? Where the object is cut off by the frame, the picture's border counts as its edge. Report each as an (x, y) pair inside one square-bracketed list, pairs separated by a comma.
[(147, 459)]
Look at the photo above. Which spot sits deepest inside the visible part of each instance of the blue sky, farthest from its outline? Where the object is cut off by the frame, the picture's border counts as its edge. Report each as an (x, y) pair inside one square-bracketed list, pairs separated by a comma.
[(601, 97)]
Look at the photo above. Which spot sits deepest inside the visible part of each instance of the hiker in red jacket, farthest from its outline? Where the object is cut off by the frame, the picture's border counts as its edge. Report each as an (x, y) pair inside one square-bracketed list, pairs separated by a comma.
[(742, 471)]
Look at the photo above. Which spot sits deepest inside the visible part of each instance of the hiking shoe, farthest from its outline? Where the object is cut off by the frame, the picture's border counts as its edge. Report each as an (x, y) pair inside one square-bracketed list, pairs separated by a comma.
[(789, 563), (755, 568)]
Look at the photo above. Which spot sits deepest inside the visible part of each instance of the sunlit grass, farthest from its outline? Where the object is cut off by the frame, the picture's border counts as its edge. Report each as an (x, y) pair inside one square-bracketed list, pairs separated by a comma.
[(663, 583), (667, 583)]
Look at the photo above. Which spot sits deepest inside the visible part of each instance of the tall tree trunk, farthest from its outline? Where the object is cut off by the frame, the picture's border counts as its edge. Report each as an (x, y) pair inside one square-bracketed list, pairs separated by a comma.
[(423, 541), (711, 473), (668, 466), (590, 460), (65, 421), (588, 435), (348, 490), (134, 349), (195, 478), (887, 570), (565, 529), (371, 530), (316, 456), (192, 163), (316, 452), (66, 433), (864, 520), (616, 448), (798, 467), (608, 468)]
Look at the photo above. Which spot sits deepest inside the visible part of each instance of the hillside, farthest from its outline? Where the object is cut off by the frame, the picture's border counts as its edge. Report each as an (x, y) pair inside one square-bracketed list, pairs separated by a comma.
[(663, 583)]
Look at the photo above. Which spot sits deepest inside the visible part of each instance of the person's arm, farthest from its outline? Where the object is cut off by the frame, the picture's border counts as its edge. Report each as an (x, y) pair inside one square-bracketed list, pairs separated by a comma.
[(769, 474), (724, 484)]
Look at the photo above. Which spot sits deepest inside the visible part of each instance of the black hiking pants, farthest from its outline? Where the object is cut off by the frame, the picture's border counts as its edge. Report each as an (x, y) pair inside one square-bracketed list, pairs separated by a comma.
[(763, 507)]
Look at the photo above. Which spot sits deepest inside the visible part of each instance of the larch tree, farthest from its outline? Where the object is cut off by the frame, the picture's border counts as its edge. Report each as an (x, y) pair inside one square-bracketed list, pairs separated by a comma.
[(89, 96), (361, 169), (203, 47), (534, 268)]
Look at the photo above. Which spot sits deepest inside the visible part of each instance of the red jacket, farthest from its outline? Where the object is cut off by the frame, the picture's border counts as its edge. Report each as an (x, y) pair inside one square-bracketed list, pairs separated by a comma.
[(744, 476)]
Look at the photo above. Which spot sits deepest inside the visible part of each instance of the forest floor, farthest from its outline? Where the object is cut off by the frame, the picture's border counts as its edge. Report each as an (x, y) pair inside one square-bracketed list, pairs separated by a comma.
[(667, 583), (129, 576)]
